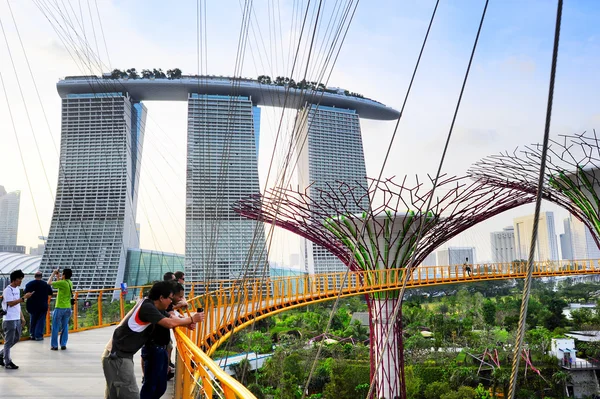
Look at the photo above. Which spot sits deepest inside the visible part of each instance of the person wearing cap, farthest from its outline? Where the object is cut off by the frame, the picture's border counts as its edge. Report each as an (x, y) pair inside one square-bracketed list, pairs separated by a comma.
[(37, 306)]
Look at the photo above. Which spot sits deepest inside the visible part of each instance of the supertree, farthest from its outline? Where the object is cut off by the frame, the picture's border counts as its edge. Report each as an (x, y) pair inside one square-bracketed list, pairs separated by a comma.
[(572, 178), (383, 236)]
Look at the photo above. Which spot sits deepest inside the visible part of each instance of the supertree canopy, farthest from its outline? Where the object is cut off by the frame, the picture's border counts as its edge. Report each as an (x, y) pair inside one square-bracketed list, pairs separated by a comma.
[(572, 178), (410, 221)]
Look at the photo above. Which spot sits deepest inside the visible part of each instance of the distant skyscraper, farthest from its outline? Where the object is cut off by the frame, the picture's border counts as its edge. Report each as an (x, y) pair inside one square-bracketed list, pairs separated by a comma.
[(577, 242), (93, 222), (9, 216), (38, 251), (222, 168), (503, 245), (456, 256), (430, 260), (330, 150), (546, 246)]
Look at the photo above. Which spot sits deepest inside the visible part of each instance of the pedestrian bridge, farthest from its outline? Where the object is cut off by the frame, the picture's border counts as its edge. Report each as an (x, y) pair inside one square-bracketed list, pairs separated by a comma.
[(231, 306)]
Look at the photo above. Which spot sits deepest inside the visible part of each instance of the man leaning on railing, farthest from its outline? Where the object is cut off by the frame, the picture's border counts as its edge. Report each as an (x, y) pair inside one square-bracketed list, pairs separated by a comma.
[(132, 333)]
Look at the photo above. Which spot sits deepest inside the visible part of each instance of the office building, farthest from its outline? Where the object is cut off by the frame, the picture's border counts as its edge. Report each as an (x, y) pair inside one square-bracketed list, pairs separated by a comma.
[(430, 260), (546, 245), (15, 249), (222, 168), (9, 216), (577, 243), (503, 245), (93, 222), (144, 267), (456, 256), (330, 151)]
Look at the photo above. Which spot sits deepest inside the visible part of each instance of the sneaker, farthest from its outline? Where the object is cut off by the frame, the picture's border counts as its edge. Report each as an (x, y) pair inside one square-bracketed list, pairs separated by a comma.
[(170, 375), (2, 361), (64, 348), (52, 348), (11, 366)]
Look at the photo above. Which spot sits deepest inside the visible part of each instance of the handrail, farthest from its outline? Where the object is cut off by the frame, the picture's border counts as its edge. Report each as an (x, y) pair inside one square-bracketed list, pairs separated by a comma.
[(203, 373), (231, 308)]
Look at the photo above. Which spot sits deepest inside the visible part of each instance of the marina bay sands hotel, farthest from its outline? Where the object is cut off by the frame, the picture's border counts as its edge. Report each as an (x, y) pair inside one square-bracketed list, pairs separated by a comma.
[(102, 135)]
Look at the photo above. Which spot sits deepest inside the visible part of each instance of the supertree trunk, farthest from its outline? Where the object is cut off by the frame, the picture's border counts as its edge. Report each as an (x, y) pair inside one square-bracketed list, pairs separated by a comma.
[(387, 365)]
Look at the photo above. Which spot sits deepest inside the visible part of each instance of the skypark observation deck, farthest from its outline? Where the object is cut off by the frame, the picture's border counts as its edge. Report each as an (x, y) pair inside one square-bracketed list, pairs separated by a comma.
[(261, 94)]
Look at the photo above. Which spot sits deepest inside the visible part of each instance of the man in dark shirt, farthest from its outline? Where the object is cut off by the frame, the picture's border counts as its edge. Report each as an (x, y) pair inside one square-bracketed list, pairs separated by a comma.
[(155, 355), (132, 333), (37, 306)]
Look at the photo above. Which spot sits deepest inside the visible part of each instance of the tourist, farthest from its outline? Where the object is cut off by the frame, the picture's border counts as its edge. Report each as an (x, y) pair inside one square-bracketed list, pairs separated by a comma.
[(466, 267), (156, 357), (62, 308), (13, 320), (37, 306), (132, 333), (168, 276), (180, 277)]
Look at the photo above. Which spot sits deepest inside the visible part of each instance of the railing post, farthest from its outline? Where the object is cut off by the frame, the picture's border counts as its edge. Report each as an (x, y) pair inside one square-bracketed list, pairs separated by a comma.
[(100, 295), (122, 304), (48, 328), (191, 295), (75, 312)]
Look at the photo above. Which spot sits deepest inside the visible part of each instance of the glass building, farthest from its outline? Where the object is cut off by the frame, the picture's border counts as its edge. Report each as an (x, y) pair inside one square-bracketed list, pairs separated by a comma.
[(222, 168), (144, 267), (93, 223), (331, 152)]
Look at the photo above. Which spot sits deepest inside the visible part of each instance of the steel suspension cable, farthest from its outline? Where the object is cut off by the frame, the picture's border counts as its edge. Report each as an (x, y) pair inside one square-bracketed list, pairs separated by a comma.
[(538, 201), (406, 275)]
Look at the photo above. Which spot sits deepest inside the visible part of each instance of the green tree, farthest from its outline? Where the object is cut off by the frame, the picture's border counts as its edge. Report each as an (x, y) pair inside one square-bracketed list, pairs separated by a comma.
[(414, 384), (242, 371), (481, 392), (132, 73), (489, 312), (256, 391), (500, 380), (174, 73), (436, 389), (461, 393), (345, 377), (556, 317), (560, 379)]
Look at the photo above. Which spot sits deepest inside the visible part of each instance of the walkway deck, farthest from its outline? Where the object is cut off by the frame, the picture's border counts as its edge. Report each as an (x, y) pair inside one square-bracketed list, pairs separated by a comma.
[(74, 373)]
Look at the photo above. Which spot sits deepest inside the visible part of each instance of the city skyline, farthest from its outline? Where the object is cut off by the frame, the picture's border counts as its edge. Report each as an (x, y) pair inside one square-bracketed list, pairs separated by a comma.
[(502, 108)]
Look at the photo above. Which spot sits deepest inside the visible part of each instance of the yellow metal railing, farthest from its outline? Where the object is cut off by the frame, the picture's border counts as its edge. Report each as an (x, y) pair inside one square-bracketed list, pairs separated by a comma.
[(234, 305), (199, 377)]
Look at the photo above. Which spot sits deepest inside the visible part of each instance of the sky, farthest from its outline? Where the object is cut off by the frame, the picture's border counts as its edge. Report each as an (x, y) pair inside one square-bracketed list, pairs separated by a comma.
[(503, 106)]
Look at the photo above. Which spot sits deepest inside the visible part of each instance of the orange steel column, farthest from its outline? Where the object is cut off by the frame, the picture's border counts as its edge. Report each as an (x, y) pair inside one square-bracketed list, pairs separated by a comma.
[(48, 318), (75, 312), (122, 304)]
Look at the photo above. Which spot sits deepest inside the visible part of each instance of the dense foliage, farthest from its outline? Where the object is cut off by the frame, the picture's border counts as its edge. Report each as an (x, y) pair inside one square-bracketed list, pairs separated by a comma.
[(465, 320)]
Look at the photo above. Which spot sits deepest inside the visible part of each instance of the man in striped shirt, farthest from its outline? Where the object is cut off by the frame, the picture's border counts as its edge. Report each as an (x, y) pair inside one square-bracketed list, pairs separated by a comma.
[(133, 332)]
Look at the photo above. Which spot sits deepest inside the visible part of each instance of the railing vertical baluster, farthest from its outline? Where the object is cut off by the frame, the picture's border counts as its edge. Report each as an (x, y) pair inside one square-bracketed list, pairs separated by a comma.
[(100, 295), (122, 304), (75, 312)]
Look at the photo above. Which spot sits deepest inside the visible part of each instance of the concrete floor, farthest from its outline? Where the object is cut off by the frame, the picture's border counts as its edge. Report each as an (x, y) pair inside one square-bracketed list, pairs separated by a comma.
[(74, 373)]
